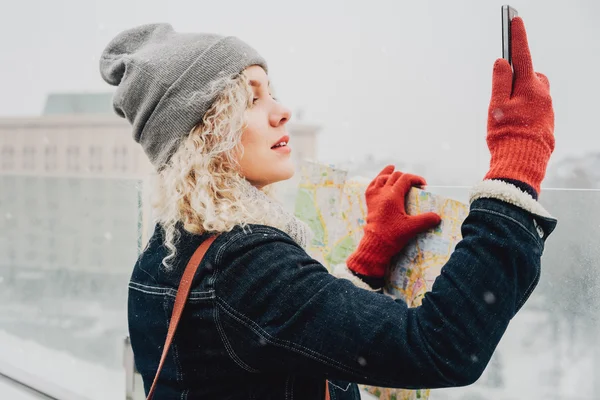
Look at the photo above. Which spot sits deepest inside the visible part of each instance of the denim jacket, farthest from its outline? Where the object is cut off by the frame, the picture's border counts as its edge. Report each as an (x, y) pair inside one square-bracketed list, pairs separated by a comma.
[(266, 321)]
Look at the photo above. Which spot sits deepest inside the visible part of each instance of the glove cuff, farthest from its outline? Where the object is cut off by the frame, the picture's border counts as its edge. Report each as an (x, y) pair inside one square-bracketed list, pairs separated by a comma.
[(372, 256), (521, 159)]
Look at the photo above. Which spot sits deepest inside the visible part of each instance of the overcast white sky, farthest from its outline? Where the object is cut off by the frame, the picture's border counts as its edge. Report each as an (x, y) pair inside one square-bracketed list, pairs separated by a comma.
[(404, 79)]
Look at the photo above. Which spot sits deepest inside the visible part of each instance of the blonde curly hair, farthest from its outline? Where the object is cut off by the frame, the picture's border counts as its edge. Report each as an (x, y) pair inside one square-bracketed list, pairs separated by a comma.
[(201, 185)]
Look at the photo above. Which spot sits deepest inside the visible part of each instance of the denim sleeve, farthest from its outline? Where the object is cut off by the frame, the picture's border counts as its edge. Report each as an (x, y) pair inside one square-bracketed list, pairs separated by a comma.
[(280, 311)]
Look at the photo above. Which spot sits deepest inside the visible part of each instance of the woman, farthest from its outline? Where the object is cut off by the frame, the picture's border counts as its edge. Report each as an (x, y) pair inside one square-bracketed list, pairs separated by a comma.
[(266, 321)]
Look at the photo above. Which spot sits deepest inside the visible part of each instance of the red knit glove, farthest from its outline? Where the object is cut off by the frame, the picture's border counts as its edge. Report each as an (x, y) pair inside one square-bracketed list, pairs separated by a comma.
[(521, 119), (388, 227)]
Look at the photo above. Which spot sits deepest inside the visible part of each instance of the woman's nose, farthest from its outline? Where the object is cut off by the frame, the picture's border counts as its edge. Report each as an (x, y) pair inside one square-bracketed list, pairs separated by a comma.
[(281, 115)]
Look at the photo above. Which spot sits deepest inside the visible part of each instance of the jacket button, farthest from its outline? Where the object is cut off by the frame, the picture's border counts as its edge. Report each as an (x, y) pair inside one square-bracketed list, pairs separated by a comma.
[(539, 229)]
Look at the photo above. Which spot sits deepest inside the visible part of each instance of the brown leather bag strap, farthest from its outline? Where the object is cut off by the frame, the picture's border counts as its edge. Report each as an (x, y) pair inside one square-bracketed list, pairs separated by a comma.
[(180, 299)]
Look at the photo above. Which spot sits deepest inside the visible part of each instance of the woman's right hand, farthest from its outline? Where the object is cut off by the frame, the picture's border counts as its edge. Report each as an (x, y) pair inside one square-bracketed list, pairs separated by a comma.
[(521, 118)]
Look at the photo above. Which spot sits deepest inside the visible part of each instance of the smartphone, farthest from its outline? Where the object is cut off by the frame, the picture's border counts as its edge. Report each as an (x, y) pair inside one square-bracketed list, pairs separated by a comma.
[(508, 13)]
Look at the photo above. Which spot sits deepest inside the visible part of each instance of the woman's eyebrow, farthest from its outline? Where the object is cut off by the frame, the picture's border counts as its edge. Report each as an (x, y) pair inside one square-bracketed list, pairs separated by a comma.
[(255, 83)]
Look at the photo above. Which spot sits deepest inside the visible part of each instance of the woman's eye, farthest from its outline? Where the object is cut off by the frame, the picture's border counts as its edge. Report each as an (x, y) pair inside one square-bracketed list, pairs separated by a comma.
[(255, 99)]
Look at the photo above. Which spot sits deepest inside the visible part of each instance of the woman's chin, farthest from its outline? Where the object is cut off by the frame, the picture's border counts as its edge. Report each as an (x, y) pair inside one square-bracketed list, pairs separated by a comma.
[(291, 170), (282, 171)]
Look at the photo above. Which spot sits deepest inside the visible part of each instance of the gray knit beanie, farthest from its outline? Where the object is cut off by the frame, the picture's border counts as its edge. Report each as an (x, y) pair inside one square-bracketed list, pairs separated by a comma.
[(164, 81)]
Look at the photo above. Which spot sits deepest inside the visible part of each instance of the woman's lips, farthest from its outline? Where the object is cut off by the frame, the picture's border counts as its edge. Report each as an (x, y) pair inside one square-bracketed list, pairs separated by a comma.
[(282, 149), (282, 145)]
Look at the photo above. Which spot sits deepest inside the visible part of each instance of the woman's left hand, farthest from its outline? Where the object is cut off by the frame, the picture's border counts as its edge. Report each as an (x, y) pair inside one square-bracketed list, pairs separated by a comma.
[(389, 228)]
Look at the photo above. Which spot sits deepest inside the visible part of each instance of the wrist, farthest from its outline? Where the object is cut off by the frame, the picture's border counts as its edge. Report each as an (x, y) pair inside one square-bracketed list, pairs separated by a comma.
[(522, 186)]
